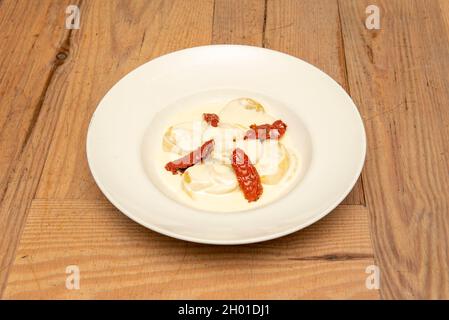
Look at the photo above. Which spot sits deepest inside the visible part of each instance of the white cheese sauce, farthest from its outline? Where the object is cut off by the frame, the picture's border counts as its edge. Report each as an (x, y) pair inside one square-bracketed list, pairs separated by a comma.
[(212, 185)]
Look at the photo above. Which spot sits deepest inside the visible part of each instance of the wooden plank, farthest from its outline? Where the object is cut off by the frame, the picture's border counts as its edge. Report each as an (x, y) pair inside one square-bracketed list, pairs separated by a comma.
[(27, 51), (239, 22), (444, 11), (93, 58), (120, 259), (399, 77), (310, 30), (128, 34), (29, 67)]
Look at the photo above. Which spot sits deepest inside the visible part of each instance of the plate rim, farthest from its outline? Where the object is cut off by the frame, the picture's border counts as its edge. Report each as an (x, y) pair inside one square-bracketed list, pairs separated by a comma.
[(249, 240)]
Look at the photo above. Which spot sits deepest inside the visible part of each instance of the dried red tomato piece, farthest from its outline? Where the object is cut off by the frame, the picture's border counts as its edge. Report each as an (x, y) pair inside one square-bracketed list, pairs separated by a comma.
[(267, 131), (247, 175), (211, 118), (181, 164)]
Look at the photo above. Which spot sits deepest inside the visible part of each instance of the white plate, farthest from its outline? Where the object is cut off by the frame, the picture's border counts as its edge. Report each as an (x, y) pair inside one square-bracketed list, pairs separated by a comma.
[(334, 149)]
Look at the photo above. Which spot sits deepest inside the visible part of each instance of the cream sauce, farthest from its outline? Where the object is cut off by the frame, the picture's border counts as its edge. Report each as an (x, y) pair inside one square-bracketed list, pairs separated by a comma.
[(212, 186)]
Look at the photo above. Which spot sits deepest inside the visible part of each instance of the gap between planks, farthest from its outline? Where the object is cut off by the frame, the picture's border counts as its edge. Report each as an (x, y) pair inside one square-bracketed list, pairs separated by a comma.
[(43, 203)]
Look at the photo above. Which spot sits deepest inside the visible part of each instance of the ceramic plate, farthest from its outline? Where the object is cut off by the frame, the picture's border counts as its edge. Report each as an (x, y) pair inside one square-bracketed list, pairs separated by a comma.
[(331, 139)]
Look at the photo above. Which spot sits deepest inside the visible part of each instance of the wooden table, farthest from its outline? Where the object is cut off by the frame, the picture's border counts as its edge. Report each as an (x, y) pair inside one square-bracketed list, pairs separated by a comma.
[(52, 215)]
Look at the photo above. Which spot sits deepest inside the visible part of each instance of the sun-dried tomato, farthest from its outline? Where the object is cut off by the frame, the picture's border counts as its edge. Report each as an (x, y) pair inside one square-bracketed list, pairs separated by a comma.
[(181, 164), (247, 175), (211, 118), (266, 131)]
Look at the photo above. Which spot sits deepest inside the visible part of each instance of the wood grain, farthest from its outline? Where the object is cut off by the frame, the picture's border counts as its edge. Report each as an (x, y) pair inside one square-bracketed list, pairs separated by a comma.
[(32, 45), (239, 22), (399, 78), (128, 34), (310, 30), (120, 259), (30, 69), (94, 57)]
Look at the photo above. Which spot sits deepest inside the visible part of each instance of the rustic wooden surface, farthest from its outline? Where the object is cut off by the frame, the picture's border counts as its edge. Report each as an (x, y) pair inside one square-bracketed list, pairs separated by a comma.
[(52, 214)]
